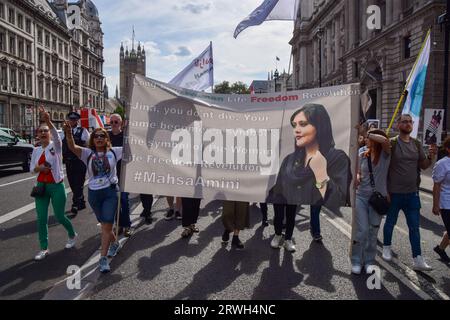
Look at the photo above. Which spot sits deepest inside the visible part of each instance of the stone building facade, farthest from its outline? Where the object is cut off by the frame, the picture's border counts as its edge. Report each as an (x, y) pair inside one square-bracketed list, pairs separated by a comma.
[(380, 60), (37, 55)]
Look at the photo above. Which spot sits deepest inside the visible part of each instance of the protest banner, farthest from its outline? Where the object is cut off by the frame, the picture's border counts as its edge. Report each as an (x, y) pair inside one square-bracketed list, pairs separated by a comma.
[(186, 143)]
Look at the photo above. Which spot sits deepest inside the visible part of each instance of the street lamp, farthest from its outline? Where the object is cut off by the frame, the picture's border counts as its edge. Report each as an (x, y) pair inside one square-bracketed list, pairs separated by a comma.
[(319, 35), (276, 76)]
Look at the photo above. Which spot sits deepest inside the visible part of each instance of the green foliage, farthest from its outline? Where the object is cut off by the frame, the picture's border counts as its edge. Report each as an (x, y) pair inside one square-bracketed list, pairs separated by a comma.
[(237, 88)]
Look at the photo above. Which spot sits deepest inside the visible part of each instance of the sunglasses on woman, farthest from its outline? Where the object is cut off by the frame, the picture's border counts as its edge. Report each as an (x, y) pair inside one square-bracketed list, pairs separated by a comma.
[(99, 136)]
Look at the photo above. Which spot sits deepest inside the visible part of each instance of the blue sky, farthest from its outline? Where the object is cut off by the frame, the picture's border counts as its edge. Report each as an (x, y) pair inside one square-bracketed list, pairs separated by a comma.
[(175, 32)]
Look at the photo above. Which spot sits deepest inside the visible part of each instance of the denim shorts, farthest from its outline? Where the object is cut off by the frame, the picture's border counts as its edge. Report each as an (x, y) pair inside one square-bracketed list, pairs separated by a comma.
[(104, 203)]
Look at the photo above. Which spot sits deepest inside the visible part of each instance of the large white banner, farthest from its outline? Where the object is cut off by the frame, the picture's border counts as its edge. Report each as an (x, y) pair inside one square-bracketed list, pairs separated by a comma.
[(291, 147)]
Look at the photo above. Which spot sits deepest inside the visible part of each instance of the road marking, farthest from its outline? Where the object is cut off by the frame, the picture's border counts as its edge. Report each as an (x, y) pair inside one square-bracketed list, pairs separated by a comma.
[(345, 228), (14, 182), (18, 212)]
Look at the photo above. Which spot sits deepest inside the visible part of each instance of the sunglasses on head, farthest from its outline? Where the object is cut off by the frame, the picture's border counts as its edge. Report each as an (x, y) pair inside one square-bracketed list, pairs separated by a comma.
[(99, 136)]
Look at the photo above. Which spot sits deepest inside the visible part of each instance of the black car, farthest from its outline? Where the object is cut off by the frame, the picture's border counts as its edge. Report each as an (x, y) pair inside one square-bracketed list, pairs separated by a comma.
[(14, 153)]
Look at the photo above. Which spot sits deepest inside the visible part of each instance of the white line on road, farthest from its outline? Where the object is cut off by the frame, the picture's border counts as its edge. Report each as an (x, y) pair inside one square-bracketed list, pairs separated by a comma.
[(14, 182), (18, 212)]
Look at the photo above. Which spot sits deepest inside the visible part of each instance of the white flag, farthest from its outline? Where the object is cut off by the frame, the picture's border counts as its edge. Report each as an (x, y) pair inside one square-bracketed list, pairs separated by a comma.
[(199, 74), (267, 11), (416, 86)]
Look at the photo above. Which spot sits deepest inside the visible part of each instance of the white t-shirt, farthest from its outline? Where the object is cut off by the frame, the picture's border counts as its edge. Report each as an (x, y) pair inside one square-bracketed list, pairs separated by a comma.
[(441, 174), (102, 171)]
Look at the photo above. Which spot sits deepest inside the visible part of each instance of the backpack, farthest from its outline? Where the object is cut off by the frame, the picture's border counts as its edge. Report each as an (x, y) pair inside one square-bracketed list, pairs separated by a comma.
[(394, 142)]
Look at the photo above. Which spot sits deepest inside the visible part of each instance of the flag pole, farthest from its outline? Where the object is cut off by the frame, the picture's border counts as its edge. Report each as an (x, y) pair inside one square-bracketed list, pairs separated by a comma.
[(212, 56), (405, 92)]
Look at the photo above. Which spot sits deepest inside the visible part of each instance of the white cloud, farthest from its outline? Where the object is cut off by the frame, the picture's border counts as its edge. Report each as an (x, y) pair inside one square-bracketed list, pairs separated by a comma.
[(166, 33)]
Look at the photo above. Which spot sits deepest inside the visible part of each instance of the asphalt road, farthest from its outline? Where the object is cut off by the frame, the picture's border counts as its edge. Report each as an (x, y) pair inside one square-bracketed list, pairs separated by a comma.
[(155, 263)]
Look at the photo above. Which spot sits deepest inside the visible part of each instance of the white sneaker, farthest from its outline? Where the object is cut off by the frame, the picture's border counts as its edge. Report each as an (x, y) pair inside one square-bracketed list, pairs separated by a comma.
[(41, 255), (289, 246), (277, 242), (71, 242), (420, 264), (387, 253), (356, 269)]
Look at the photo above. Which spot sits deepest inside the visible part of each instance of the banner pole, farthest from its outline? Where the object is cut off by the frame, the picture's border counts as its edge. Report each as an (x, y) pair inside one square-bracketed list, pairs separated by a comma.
[(407, 83)]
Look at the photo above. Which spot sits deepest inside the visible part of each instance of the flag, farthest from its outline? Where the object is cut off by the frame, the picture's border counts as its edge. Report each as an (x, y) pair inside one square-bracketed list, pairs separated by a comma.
[(416, 85), (267, 11), (90, 119), (366, 102), (199, 74)]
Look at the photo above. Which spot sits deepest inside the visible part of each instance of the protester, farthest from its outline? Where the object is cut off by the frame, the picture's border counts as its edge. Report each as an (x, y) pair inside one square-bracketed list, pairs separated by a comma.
[(116, 138), (75, 168), (46, 160), (191, 210), (235, 218), (441, 198), (101, 161), (282, 211), (367, 220), (173, 212), (407, 159)]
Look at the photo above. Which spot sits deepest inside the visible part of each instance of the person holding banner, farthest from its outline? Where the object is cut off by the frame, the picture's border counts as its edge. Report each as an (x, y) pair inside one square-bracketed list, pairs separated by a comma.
[(101, 161), (441, 198), (46, 161), (191, 210), (367, 220), (315, 173), (408, 158), (235, 217)]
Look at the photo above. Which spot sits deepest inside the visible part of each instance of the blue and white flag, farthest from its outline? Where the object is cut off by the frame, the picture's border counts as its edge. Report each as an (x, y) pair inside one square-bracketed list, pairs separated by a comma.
[(199, 74), (269, 10), (416, 86)]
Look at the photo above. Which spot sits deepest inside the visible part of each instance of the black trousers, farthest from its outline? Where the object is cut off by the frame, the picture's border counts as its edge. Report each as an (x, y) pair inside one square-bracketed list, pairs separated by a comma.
[(280, 211), (147, 201), (263, 207), (76, 174), (191, 210)]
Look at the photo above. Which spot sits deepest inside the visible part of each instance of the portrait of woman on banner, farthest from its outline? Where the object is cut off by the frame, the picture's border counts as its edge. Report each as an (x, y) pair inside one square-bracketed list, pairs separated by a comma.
[(316, 173)]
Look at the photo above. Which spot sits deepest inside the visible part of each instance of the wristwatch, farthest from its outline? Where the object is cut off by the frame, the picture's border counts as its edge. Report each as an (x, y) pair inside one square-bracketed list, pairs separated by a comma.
[(321, 185)]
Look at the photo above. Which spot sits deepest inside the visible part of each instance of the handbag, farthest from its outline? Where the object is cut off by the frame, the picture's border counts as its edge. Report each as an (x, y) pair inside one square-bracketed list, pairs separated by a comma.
[(38, 191), (378, 202)]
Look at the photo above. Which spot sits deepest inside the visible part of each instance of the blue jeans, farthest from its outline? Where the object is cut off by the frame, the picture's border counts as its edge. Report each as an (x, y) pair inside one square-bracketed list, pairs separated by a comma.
[(104, 204), (315, 220), (410, 204), (367, 223), (124, 220)]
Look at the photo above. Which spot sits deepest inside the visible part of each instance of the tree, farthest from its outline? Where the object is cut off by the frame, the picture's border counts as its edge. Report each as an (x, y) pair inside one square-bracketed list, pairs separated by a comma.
[(237, 88), (120, 110)]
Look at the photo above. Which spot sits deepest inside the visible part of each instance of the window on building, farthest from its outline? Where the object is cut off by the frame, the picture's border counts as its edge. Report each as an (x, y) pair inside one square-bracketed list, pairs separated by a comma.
[(47, 40), (13, 79), (66, 51), (2, 113), (3, 77), (11, 16), (29, 83), (40, 59), (47, 63), (2, 40), (21, 82), (55, 92), (2, 10), (21, 49), (54, 44), (28, 54), (60, 48), (67, 95), (66, 70), (47, 90), (39, 36), (12, 45), (54, 67), (61, 94), (61, 69), (20, 21), (28, 25), (41, 88), (355, 70), (407, 44)]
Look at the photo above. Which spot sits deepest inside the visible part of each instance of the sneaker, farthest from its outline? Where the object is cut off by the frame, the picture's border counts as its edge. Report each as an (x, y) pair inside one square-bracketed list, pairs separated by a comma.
[(178, 215), (127, 232), (41, 255), (226, 236), (74, 210), (370, 268), (442, 254), (103, 265), (169, 215), (194, 228), (387, 253), (289, 246), (187, 232), (148, 220), (237, 243), (420, 264), (277, 242), (81, 206), (356, 269), (318, 238), (71, 242), (113, 249)]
